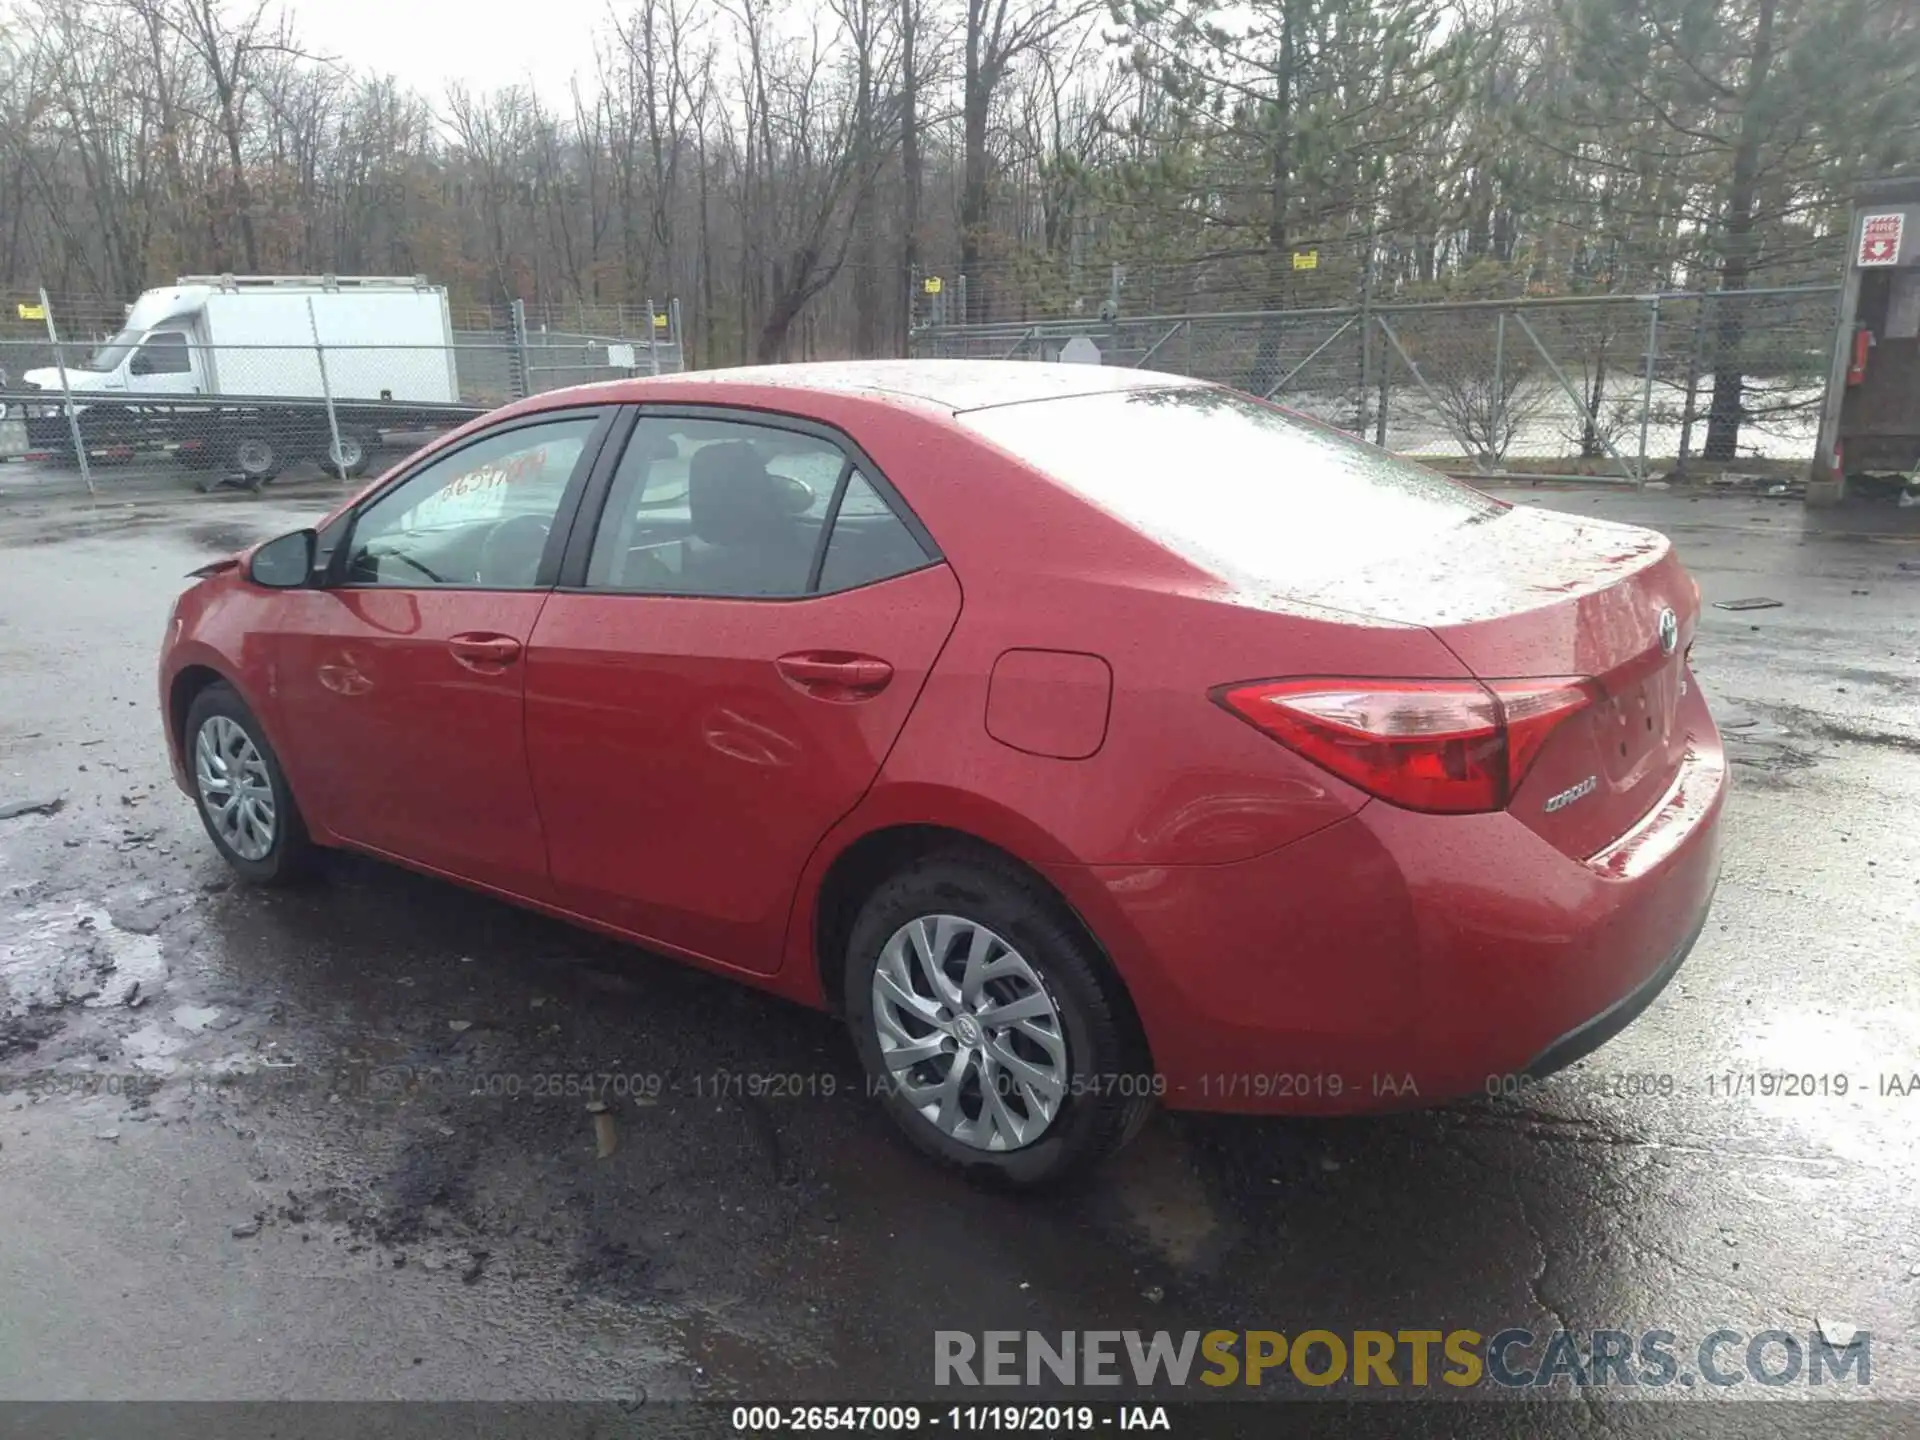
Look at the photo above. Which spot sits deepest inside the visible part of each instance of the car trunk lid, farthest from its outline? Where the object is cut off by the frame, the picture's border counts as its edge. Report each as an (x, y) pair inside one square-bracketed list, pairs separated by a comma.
[(1528, 594)]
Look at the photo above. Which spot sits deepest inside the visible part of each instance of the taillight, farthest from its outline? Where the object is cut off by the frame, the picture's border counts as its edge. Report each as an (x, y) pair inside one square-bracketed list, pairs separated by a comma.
[(1451, 747)]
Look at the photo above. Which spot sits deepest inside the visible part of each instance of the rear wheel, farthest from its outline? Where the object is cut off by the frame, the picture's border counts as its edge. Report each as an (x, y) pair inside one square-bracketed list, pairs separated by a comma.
[(351, 459), (241, 792), (990, 1028), (256, 457)]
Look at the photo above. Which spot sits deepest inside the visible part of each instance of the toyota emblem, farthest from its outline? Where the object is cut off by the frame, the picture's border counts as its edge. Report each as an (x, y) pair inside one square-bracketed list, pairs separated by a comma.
[(1669, 628)]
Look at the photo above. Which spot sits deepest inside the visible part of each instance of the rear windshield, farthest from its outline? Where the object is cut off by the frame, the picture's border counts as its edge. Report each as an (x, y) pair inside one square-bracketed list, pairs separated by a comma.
[(1236, 486)]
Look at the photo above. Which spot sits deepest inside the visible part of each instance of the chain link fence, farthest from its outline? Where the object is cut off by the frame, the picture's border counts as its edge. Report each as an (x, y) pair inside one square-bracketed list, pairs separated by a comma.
[(73, 392), (1618, 386), (1625, 387)]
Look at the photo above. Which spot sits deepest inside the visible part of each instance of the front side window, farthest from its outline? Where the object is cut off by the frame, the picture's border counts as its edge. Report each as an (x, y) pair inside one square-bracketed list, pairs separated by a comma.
[(164, 353), (731, 508), (477, 517)]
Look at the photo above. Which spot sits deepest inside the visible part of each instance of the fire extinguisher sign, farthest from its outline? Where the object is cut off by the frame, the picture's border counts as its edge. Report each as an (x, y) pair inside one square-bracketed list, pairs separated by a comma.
[(1880, 237)]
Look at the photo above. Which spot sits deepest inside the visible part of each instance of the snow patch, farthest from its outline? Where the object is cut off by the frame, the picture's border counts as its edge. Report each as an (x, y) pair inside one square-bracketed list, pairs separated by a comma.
[(64, 954)]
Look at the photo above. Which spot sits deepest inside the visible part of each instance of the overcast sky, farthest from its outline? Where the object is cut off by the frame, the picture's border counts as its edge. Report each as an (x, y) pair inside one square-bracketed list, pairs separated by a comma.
[(486, 43)]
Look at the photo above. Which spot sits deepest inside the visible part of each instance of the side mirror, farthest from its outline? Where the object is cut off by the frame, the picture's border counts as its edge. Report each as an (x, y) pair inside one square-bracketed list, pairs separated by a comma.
[(285, 563)]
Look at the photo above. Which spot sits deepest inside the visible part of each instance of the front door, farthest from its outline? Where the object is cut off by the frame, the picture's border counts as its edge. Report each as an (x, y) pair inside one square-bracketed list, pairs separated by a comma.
[(167, 363), (400, 682), (722, 684)]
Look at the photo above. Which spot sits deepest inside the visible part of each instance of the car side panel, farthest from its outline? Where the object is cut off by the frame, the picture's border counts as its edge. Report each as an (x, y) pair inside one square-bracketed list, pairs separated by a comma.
[(225, 625), (1286, 982), (1178, 780)]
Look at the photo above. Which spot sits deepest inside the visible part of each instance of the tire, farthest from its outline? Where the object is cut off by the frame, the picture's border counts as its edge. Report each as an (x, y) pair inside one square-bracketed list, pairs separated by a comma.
[(257, 457), (237, 740), (356, 455), (1105, 1089)]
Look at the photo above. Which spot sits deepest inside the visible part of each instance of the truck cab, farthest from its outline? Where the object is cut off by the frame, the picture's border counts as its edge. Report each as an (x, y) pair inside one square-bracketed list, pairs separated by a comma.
[(160, 351)]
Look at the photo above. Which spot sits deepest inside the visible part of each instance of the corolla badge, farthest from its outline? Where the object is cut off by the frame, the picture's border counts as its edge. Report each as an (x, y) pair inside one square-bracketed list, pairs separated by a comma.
[(1668, 627), (1572, 793)]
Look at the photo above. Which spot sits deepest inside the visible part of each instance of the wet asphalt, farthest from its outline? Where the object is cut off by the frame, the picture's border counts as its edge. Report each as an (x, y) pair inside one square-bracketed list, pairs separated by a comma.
[(241, 1156)]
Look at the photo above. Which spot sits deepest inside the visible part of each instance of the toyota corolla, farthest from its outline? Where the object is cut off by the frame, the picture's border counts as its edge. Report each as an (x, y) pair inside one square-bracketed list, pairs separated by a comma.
[(1087, 738)]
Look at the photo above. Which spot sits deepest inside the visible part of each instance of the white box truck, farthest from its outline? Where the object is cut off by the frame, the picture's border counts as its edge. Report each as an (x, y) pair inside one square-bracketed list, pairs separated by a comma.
[(386, 344)]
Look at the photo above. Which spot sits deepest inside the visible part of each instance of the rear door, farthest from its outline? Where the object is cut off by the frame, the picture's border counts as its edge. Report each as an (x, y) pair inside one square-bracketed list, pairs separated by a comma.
[(400, 682), (721, 672)]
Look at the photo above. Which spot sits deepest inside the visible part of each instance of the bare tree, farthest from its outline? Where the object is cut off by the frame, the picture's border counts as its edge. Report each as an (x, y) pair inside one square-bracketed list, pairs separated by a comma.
[(870, 30), (804, 167), (998, 32), (656, 40), (912, 26), (496, 135), (233, 53), (792, 170)]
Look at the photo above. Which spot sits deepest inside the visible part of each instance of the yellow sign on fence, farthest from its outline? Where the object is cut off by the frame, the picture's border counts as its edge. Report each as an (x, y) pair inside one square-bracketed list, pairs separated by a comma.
[(931, 284), (32, 312), (1306, 259)]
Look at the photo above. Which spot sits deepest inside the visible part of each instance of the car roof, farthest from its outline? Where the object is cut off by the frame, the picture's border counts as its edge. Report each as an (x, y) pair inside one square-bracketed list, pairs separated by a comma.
[(954, 385)]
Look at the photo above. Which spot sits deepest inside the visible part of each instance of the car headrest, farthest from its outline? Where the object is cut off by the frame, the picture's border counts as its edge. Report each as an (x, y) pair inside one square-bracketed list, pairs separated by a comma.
[(649, 444), (733, 499)]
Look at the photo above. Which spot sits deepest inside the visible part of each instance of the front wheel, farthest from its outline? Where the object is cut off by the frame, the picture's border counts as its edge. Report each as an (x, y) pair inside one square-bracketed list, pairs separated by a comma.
[(993, 1033), (241, 792)]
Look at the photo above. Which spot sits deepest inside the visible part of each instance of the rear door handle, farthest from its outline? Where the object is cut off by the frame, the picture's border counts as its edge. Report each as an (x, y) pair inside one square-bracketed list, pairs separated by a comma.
[(485, 652), (834, 674)]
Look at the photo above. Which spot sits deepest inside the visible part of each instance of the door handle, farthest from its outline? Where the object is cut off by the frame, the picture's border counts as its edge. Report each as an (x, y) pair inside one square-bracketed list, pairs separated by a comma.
[(834, 674), (484, 652)]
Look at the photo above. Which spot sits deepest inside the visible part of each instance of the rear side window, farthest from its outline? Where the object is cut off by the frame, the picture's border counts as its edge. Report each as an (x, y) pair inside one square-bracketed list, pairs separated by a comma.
[(868, 542), (742, 510), (1236, 486)]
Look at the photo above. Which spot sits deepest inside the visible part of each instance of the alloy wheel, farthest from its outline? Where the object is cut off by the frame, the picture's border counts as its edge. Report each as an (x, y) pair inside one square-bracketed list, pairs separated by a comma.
[(235, 789)]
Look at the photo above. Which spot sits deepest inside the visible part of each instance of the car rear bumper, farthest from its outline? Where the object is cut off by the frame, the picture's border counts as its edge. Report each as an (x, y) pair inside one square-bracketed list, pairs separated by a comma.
[(1395, 959), (1590, 1034)]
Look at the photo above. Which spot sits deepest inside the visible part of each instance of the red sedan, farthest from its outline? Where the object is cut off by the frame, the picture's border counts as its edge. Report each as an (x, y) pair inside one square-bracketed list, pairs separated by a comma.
[(1088, 738)]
